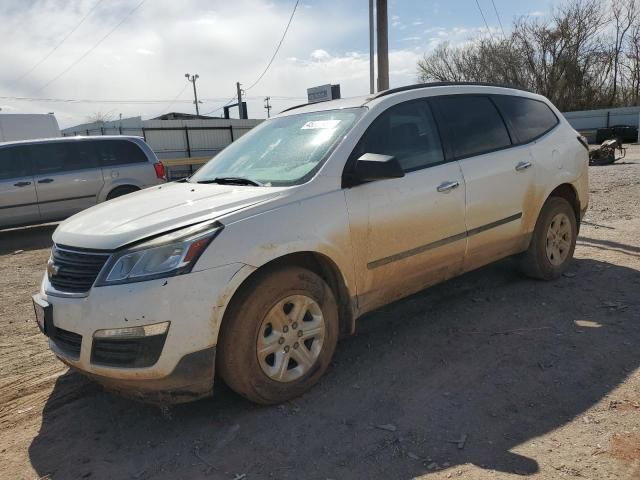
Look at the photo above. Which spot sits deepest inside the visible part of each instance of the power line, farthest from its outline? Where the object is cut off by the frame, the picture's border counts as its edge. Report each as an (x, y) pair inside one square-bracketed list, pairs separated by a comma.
[(133, 101), (222, 106), (73, 64), (484, 19), (277, 48), (51, 52), (166, 109), (498, 17)]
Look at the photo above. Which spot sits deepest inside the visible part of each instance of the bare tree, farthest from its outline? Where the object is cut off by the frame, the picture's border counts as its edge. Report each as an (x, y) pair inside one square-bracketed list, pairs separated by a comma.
[(100, 117), (581, 56), (625, 15)]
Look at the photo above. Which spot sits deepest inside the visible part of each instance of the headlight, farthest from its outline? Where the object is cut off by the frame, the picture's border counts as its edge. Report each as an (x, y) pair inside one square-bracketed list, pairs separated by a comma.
[(171, 254)]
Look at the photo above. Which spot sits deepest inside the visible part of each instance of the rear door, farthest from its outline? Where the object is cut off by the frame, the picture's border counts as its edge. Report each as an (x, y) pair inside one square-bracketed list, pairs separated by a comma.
[(498, 175), (67, 177), (18, 200), (123, 162)]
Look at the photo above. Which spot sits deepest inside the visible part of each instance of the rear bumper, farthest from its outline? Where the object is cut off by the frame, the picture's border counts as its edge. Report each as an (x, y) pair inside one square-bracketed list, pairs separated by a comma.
[(191, 379)]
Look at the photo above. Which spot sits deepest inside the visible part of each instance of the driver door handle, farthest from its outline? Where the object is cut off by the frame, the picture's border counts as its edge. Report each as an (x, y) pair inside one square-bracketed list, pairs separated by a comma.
[(447, 186), (523, 166), (46, 180), (21, 184)]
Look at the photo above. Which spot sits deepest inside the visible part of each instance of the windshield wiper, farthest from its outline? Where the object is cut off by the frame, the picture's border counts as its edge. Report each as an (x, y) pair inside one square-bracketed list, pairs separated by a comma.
[(233, 181)]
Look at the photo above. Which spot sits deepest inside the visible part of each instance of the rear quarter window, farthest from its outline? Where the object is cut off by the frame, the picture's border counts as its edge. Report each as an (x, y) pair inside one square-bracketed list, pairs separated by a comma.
[(119, 152), (529, 118)]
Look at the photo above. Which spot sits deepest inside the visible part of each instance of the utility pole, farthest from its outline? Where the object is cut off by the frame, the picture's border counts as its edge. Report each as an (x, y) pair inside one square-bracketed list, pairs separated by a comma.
[(372, 66), (267, 106), (240, 106), (192, 79), (383, 45)]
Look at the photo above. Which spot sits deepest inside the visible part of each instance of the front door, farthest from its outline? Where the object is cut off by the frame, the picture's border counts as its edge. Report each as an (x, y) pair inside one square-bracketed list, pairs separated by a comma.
[(18, 201), (409, 232), (67, 176)]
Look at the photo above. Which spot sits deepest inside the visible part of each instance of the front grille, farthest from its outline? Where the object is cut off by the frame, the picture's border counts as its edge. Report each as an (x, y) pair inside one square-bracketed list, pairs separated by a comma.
[(66, 341), (74, 270), (127, 352)]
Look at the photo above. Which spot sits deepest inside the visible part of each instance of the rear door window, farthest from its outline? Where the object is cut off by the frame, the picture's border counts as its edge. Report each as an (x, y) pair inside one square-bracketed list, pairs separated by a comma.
[(530, 118), (59, 157), (119, 152), (406, 131), (14, 163), (472, 124)]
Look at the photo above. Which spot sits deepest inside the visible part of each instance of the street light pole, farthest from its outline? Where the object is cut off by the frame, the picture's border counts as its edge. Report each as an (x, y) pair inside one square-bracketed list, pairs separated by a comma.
[(192, 79)]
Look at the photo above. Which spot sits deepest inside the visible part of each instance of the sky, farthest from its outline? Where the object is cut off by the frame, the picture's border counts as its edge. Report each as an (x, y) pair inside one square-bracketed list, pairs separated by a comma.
[(143, 59)]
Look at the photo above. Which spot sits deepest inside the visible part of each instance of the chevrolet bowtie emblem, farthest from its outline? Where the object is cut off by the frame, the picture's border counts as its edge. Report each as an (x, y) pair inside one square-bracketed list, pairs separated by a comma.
[(52, 269)]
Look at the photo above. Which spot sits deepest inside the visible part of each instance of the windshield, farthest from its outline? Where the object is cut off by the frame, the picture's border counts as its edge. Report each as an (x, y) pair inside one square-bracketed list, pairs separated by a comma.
[(282, 151)]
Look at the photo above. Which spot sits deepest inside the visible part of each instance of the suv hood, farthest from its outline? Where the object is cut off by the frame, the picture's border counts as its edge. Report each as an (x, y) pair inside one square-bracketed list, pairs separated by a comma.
[(139, 215)]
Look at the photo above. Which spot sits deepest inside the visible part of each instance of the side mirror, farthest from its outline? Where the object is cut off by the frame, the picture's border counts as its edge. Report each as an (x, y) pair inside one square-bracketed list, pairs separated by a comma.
[(372, 166)]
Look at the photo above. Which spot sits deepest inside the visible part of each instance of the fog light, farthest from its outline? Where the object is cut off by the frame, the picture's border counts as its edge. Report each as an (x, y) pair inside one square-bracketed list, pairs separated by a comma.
[(134, 332)]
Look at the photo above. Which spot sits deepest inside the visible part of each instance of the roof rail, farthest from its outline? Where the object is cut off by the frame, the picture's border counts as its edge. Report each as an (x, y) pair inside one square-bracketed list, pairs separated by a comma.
[(294, 107), (443, 84)]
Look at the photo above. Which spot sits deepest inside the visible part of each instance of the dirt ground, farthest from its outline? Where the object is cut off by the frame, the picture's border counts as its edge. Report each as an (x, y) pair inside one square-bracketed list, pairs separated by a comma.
[(488, 376)]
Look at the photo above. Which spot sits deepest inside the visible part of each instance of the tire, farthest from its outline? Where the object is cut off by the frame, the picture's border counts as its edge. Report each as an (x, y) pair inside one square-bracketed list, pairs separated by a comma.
[(254, 321), (120, 191), (542, 263)]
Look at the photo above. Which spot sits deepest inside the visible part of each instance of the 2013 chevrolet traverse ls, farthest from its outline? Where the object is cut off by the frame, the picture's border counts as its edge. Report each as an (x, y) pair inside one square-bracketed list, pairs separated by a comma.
[(254, 266)]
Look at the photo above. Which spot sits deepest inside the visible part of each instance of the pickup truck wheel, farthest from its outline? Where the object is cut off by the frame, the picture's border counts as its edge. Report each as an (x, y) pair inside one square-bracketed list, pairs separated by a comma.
[(278, 336), (553, 241)]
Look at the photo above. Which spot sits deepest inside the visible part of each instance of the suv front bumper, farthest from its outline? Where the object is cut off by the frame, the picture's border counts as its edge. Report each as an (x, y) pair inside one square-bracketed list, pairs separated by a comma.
[(183, 368)]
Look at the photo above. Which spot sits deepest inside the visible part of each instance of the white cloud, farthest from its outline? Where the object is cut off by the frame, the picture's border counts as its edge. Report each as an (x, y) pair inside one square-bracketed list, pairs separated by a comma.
[(320, 55), (536, 13), (146, 57)]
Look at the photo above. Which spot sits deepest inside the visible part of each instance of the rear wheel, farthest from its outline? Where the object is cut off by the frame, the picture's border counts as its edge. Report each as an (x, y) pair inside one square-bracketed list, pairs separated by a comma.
[(120, 191), (553, 241), (278, 336)]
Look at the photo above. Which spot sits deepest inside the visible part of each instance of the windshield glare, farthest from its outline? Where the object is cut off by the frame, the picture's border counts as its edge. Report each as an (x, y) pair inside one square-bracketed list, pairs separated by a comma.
[(282, 151)]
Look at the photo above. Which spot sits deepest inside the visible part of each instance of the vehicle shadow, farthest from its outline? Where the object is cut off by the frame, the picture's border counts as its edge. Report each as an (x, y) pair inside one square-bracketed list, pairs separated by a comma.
[(465, 372), (26, 238)]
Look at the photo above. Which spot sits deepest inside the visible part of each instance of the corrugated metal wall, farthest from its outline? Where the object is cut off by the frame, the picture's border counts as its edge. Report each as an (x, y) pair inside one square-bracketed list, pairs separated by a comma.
[(606, 117), (175, 141)]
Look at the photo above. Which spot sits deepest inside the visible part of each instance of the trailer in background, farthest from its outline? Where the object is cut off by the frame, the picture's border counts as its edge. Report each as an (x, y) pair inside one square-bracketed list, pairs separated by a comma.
[(27, 126)]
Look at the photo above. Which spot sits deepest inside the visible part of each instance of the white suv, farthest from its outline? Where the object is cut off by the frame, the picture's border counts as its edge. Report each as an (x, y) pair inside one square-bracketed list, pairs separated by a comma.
[(255, 265)]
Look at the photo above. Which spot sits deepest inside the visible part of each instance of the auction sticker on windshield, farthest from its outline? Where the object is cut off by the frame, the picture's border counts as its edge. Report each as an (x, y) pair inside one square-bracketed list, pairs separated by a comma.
[(320, 124)]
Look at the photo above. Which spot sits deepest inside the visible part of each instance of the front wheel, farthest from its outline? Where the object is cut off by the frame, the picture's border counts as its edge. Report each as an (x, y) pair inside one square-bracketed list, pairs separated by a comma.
[(553, 241), (278, 336)]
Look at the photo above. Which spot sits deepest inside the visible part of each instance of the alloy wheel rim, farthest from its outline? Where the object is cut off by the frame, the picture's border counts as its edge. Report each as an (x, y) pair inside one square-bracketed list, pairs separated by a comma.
[(290, 338), (558, 239)]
